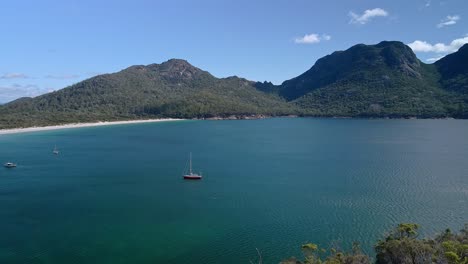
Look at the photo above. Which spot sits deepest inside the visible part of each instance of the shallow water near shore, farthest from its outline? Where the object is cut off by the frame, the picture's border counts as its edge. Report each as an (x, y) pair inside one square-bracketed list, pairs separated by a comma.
[(116, 195)]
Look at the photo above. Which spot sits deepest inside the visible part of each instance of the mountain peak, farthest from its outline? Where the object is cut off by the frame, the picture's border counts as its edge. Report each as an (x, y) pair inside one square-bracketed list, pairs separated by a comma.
[(359, 63), (178, 68), (387, 43), (175, 61), (463, 48), (454, 71)]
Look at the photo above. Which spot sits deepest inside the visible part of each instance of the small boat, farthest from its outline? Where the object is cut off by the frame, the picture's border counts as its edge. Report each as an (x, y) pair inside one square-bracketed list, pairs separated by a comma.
[(191, 175), (55, 151), (9, 165)]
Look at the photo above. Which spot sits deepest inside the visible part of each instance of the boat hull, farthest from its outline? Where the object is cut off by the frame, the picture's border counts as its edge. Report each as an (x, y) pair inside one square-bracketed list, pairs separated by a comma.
[(9, 165), (192, 177)]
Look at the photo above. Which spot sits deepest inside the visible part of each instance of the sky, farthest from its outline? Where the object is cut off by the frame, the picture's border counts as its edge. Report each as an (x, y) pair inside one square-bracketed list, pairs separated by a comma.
[(48, 45)]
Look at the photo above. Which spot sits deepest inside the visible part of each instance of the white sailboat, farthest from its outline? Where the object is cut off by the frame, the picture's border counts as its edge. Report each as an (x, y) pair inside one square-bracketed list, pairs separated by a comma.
[(55, 151), (9, 165), (192, 175)]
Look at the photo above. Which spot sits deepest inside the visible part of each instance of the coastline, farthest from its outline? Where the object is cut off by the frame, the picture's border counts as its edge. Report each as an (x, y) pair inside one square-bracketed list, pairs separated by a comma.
[(79, 125), (231, 117)]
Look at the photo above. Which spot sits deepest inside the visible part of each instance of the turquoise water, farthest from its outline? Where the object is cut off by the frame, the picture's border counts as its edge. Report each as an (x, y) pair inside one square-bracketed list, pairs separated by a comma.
[(115, 193)]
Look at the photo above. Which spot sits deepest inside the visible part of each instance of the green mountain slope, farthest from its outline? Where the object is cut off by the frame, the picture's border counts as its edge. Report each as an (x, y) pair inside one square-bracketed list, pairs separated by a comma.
[(383, 80), (171, 89), (453, 69)]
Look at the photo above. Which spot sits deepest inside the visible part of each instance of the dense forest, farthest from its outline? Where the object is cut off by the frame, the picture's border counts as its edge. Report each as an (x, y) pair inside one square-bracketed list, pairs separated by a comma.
[(400, 246), (382, 80), (172, 89)]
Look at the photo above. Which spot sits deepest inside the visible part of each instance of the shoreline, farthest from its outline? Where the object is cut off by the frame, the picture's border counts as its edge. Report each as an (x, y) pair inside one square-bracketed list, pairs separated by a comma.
[(216, 118), (80, 125)]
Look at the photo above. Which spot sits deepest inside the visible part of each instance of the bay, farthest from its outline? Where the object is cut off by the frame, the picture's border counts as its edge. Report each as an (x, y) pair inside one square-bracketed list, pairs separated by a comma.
[(115, 194)]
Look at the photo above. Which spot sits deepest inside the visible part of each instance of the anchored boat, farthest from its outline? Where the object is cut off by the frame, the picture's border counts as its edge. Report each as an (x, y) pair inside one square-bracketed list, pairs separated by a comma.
[(192, 175), (55, 151), (9, 165)]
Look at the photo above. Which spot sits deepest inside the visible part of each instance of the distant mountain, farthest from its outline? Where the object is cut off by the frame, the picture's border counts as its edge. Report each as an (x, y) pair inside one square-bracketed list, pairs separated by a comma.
[(383, 80), (172, 89), (454, 70), (360, 63)]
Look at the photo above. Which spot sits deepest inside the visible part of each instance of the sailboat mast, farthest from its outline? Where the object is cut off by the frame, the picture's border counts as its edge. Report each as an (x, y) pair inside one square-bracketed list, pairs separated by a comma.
[(190, 162)]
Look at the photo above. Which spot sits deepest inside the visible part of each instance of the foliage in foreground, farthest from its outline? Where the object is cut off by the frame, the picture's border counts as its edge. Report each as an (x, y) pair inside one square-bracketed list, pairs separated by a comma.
[(400, 246)]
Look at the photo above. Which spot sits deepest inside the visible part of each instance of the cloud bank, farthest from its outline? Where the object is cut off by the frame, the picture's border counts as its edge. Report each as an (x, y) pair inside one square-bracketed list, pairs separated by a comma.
[(439, 49), (423, 46)]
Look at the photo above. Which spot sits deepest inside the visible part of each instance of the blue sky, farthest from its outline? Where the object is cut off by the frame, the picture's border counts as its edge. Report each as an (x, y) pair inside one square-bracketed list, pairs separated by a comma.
[(48, 45)]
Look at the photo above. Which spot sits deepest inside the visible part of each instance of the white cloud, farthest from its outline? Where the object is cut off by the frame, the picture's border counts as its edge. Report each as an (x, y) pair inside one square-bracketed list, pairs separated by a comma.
[(428, 3), (308, 39), (367, 15), (15, 91), (448, 21), (423, 46), (438, 50), (14, 76), (312, 38), (62, 77)]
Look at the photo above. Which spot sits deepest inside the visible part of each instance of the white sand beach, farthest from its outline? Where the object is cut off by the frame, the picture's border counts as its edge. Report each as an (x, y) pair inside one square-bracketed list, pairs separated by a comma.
[(78, 125)]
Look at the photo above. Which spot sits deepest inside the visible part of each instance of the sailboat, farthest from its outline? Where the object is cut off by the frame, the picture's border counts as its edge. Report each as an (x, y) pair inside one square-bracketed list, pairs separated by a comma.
[(9, 165), (191, 175), (55, 151)]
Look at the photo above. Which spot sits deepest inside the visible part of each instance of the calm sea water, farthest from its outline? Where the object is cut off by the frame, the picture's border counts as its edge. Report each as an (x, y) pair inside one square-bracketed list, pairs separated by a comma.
[(115, 194)]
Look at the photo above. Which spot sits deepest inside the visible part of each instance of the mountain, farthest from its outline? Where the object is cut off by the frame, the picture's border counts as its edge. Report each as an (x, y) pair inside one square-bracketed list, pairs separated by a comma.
[(382, 80), (360, 63), (172, 89), (454, 70)]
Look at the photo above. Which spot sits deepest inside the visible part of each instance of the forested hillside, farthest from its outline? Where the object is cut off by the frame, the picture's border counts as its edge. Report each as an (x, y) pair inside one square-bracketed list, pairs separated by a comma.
[(383, 80)]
